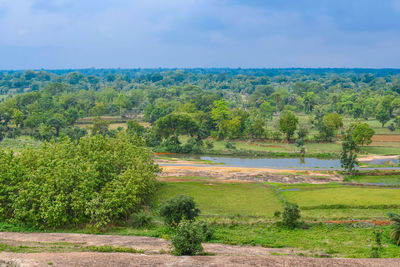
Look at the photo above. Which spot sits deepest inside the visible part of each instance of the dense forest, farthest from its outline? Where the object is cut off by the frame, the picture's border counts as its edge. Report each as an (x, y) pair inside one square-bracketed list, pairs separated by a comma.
[(199, 103)]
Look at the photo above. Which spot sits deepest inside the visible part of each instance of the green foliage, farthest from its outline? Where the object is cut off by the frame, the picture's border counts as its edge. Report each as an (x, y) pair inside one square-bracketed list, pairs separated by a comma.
[(178, 208), (362, 134), (382, 114), (391, 127), (395, 235), (135, 128), (230, 145), (331, 122), (348, 156), (277, 214), (288, 123), (95, 181), (187, 239), (291, 215), (142, 219), (209, 144), (100, 126), (377, 247)]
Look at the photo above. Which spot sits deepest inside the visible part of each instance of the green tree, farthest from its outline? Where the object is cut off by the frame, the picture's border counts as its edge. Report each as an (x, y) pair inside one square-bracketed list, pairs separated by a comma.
[(94, 181), (348, 156), (99, 126), (382, 114), (362, 134), (18, 117), (288, 124), (221, 114), (98, 109), (175, 209), (331, 122), (176, 124), (58, 121), (135, 128), (266, 110)]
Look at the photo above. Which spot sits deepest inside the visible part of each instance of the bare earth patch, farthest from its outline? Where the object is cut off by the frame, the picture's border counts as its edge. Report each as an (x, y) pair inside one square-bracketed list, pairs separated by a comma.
[(224, 255), (250, 174)]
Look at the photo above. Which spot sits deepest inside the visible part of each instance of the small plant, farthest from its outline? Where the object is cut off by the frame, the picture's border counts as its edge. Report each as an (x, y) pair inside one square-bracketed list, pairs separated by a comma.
[(291, 215), (392, 127), (395, 235), (187, 239), (175, 209), (377, 247), (142, 220), (208, 231), (230, 145), (209, 144), (277, 214)]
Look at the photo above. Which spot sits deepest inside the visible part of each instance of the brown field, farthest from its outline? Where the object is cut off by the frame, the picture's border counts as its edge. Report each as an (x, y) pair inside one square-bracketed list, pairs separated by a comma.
[(386, 138), (104, 118)]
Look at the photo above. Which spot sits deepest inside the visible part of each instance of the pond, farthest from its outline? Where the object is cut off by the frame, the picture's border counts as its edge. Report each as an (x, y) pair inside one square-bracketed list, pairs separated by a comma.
[(278, 163)]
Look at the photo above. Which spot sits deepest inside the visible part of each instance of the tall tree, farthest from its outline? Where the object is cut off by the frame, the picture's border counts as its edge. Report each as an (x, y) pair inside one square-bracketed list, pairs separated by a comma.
[(288, 124)]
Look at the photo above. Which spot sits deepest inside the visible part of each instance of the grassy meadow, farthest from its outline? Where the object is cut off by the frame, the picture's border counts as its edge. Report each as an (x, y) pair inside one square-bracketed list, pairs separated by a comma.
[(243, 214)]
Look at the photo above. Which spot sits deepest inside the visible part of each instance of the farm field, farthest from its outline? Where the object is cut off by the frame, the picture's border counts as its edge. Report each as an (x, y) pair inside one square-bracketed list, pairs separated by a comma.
[(215, 199), (242, 214), (317, 202)]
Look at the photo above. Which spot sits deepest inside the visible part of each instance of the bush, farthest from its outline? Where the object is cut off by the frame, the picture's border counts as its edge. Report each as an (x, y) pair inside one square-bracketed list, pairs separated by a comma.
[(392, 127), (291, 215), (209, 144), (395, 235), (94, 181), (377, 247), (180, 207), (208, 232), (230, 145), (277, 214), (142, 220), (187, 239)]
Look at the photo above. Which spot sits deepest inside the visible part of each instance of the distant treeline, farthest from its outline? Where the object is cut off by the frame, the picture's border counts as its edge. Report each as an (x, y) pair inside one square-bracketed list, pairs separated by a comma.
[(222, 103)]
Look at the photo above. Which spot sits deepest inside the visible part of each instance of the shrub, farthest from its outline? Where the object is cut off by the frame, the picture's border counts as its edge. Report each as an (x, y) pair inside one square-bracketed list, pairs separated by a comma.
[(142, 220), (209, 144), (230, 145), (175, 209), (207, 231), (395, 235), (291, 215), (94, 181), (392, 127), (277, 214), (377, 247), (187, 239)]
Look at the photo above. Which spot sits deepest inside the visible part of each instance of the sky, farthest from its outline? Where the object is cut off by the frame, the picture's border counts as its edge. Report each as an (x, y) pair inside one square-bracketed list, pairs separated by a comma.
[(59, 34)]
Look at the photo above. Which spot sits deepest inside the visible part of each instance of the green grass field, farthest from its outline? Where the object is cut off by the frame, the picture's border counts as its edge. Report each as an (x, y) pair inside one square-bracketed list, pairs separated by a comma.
[(382, 179), (225, 199), (307, 196)]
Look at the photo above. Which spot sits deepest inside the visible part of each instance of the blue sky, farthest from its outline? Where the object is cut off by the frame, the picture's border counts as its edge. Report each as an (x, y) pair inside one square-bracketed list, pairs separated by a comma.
[(199, 33)]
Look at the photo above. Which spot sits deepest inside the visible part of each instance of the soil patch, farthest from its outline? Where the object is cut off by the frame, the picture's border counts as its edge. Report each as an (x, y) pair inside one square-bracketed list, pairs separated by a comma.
[(386, 138), (250, 174), (225, 255)]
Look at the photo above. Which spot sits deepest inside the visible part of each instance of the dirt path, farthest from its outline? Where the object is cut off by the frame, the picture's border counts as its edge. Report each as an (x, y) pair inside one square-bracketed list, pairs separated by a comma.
[(224, 255)]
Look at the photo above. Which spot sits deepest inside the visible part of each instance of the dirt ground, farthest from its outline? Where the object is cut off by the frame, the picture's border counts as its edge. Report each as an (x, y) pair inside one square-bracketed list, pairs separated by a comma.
[(250, 174), (386, 138), (154, 255)]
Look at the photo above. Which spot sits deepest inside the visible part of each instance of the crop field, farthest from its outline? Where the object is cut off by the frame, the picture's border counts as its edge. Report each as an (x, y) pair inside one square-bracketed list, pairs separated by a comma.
[(226, 199), (319, 195), (377, 179), (317, 202)]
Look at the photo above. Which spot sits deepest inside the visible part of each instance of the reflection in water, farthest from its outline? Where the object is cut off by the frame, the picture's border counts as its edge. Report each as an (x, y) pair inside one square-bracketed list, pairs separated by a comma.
[(302, 161)]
